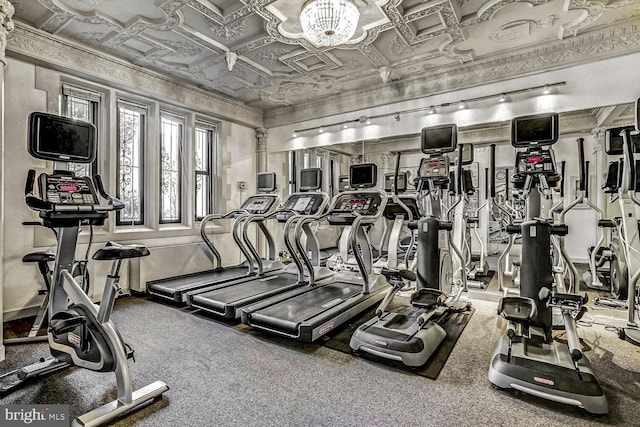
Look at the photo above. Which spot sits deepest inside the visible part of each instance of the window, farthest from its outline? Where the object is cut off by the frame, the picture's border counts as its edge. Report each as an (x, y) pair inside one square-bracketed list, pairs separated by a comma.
[(204, 144), (130, 178), (170, 167), (81, 104)]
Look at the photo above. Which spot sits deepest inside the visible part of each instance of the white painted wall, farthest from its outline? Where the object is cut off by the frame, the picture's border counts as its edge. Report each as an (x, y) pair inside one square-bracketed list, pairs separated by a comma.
[(174, 251)]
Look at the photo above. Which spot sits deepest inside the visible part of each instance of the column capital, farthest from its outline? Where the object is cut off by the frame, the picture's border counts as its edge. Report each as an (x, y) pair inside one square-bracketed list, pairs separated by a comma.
[(261, 140), (6, 26)]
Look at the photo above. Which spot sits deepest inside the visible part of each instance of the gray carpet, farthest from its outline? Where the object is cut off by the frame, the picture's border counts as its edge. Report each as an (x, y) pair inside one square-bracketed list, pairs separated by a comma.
[(223, 377)]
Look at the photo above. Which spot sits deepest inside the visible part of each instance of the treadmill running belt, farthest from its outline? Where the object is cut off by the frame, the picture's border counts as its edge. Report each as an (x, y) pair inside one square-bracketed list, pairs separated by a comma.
[(288, 314), (170, 287), (246, 292)]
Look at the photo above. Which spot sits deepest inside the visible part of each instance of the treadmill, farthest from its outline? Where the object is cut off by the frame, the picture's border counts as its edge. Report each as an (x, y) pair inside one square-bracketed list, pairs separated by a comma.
[(308, 313), (175, 288), (227, 299)]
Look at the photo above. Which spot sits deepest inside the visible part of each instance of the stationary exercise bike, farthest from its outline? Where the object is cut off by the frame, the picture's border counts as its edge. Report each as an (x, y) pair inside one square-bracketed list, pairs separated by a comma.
[(80, 333)]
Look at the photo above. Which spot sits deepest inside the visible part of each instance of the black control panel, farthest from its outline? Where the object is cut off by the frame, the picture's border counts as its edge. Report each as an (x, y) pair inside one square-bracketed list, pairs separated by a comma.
[(392, 209), (535, 161), (303, 204), (67, 189), (259, 205), (434, 167), (346, 205)]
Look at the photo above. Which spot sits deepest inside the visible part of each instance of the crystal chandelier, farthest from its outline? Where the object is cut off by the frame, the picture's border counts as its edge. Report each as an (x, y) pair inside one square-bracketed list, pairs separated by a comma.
[(329, 22)]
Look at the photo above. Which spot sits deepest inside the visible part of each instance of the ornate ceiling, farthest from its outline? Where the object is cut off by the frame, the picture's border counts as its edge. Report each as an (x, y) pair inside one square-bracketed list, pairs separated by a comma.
[(254, 51)]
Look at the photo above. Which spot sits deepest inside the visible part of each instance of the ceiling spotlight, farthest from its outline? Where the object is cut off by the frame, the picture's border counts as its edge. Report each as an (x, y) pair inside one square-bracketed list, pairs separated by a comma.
[(431, 110), (320, 130), (462, 105), (546, 90), (504, 97), (295, 135), (344, 126), (397, 117)]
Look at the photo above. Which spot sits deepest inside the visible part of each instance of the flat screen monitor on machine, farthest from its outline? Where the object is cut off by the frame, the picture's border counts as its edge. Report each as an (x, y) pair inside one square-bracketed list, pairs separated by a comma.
[(61, 139), (363, 175), (439, 139), (539, 129), (310, 179)]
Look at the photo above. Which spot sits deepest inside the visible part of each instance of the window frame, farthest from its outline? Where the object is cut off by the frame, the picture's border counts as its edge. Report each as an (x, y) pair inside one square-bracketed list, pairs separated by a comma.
[(93, 99), (180, 120), (143, 110), (211, 140)]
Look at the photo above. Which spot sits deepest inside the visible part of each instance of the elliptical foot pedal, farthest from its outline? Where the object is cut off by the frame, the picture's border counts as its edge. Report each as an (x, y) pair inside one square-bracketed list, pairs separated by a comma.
[(428, 298), (517, 309)]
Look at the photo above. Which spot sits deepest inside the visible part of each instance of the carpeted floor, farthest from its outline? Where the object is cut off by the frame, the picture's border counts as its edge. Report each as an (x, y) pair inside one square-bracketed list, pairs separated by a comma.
[(220, 376)]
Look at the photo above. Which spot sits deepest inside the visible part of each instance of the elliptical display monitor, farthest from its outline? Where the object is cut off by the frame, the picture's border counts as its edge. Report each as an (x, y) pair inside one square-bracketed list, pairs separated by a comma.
[(467, 154), (613, 141), (343, 183), (389, 179), (61, 139), (266, 182), (439, 139), (538, 129), (310, 179), (363, 175)]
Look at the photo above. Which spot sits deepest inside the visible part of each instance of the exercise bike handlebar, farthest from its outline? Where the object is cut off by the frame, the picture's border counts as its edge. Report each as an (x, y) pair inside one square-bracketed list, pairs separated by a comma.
[(38, 204)]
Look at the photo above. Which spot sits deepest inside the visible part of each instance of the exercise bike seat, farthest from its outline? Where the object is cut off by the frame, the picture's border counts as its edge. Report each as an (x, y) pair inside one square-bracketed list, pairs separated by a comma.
[(517, 309), (428, 298), (39, 257), (113, 251)]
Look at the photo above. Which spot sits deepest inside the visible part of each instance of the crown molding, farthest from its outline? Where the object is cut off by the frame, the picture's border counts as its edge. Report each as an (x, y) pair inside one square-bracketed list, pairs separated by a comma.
[(609, 42), (49, 50)]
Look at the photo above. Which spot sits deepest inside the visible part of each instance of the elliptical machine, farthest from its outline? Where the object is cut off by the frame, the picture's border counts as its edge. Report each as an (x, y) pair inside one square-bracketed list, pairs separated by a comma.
[(527, 358), (412, 333), (80, 333)]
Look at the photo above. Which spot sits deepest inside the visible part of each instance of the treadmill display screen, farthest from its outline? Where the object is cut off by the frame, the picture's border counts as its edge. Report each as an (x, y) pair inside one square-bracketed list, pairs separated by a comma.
[(358, 205), (301, 204)]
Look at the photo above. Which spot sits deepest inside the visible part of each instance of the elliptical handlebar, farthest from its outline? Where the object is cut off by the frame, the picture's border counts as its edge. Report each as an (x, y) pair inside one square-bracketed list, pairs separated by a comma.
[(581, 161), (629, 182), (563, 167), (459, 170), (492, 165)]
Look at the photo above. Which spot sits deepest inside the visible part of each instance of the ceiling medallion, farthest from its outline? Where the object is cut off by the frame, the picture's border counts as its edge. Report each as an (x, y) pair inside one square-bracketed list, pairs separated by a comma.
[(329, 22)]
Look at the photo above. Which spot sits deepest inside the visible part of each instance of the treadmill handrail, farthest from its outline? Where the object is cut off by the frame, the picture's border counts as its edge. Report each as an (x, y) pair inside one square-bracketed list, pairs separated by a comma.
[(205, 238)]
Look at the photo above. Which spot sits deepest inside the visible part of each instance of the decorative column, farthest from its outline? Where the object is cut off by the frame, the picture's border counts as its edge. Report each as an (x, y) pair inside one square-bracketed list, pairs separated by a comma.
[(261, 150), (261, 166), (6, 26)]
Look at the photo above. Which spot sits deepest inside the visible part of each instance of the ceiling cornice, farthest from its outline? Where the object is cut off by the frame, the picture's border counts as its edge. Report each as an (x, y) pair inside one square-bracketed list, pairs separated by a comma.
[(55, 52), (600, 44)]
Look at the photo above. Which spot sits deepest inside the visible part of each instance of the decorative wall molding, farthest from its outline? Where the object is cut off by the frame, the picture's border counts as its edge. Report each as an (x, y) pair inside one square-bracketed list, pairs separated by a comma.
[(6, 26), (50, 50), (588, 47)]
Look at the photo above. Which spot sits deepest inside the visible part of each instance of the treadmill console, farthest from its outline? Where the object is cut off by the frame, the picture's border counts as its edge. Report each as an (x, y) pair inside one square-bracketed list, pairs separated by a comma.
[(535, 161), (346, 205), (303, 204), (259, 205), (67, 189)]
